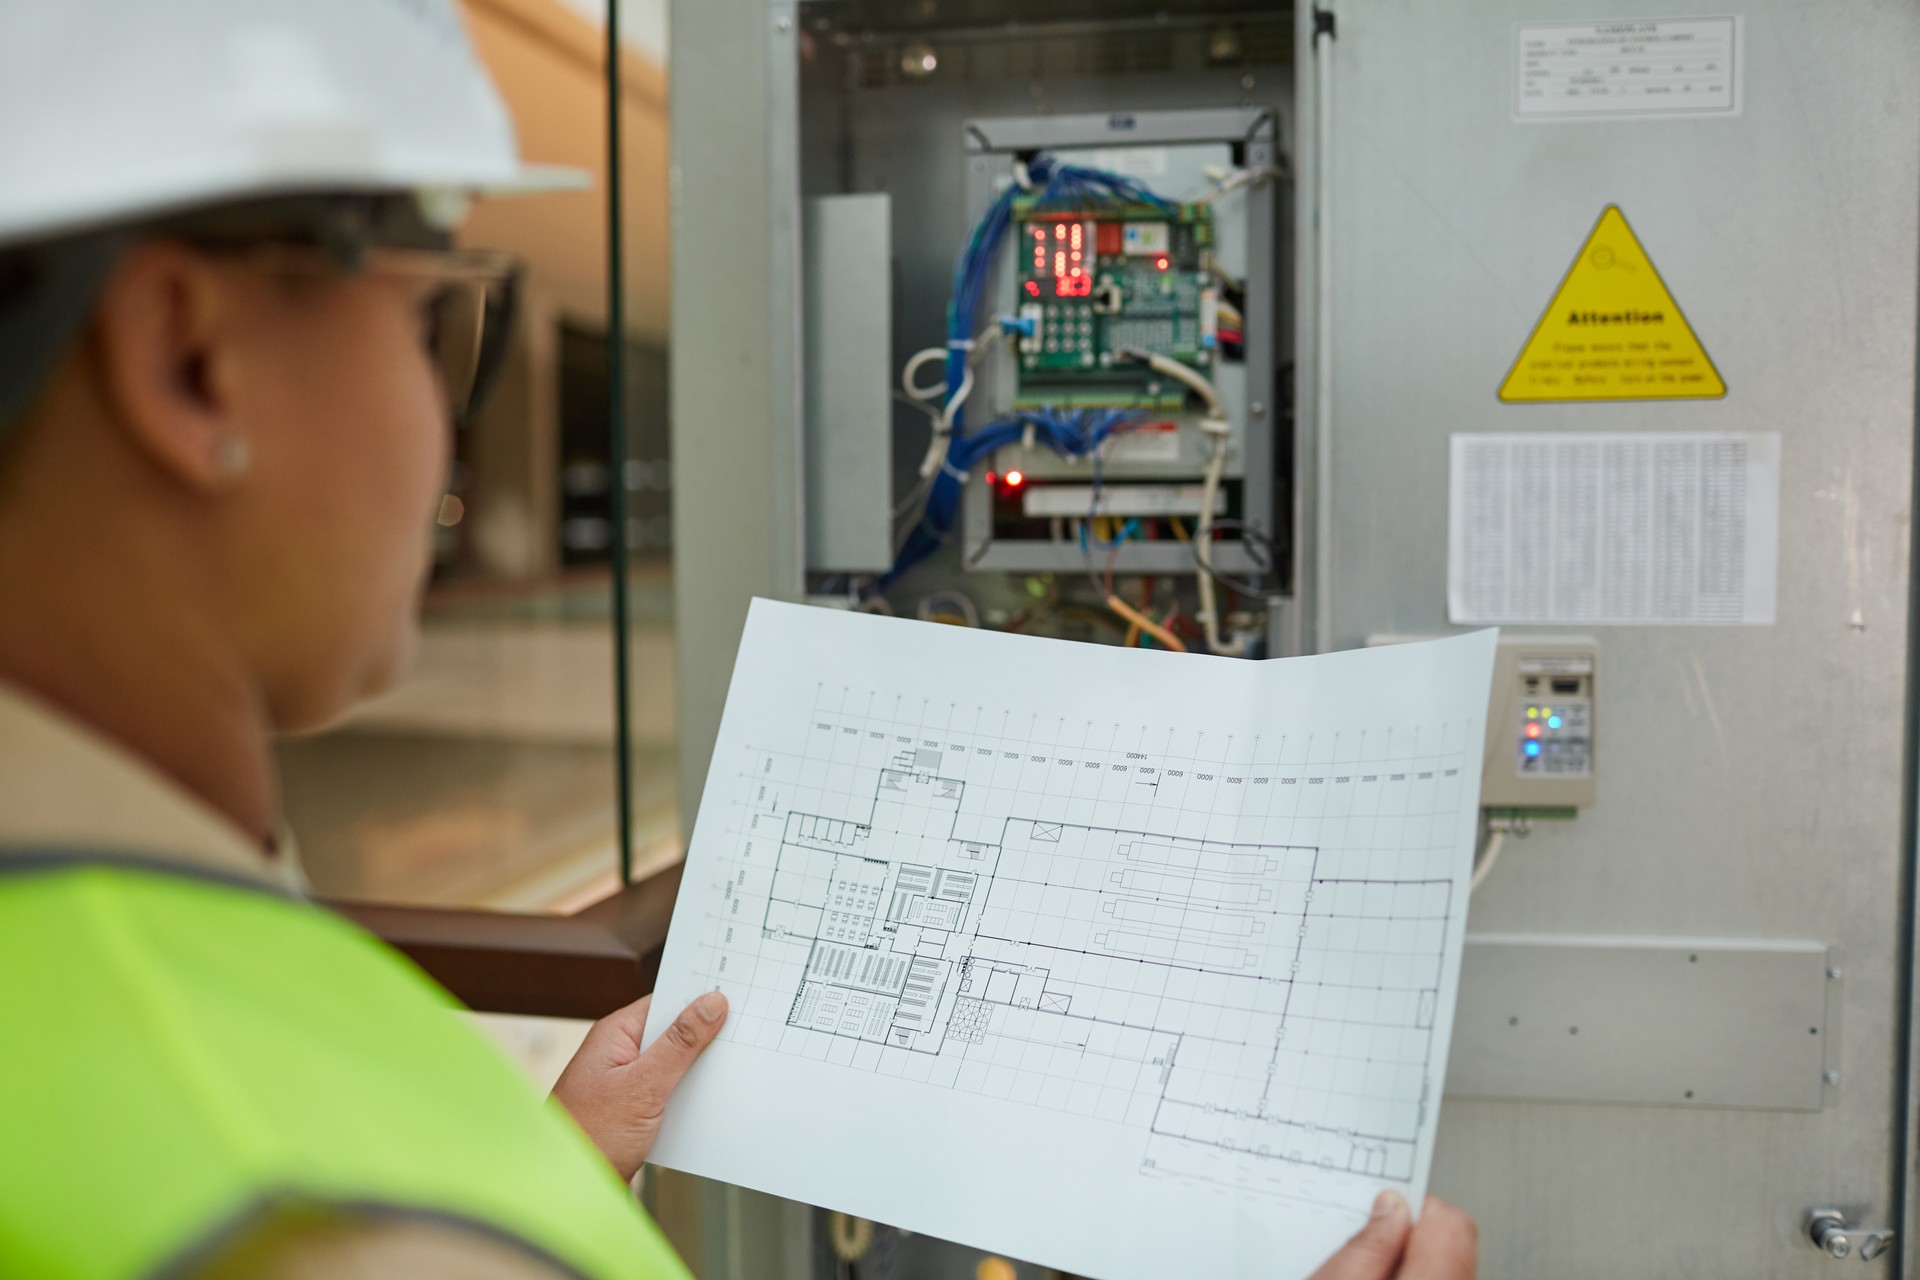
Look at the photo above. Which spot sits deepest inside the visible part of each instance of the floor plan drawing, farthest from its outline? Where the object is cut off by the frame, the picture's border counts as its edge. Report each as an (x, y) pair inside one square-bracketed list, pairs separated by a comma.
[(1010, 956), (1122, 948)]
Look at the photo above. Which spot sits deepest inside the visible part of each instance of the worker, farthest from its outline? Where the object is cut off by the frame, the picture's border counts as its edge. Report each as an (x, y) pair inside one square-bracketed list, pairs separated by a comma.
[(232, 331)]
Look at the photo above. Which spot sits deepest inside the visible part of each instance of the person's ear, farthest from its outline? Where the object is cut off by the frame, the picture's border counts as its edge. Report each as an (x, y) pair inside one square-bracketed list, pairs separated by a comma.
[(166, 336)]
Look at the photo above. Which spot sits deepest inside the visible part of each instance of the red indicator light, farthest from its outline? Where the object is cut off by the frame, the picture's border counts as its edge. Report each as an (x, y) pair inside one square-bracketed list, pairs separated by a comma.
[(1160, 263), (1015, 479), (1033, 288), (1533, 731), (1059, 231), (992, 479)]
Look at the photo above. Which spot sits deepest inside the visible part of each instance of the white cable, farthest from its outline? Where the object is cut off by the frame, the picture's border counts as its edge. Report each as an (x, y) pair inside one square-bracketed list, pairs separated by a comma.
[(1216, 408), (943, 422), (914, 362), (1498, 829), (1489, 854), (1203, 532), (975, 349), (1215, 424), (1232, 181)]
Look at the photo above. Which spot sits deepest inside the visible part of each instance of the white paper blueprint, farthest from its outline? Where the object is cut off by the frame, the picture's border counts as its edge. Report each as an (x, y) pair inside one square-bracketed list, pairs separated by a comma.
[(1124, 962)]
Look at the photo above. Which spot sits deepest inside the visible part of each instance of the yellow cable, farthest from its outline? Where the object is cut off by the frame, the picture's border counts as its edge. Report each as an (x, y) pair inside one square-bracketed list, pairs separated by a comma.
[(1146, 624)]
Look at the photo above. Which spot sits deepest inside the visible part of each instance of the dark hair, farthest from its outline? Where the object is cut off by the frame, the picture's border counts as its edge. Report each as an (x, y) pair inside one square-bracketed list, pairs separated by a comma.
[(48, 288)]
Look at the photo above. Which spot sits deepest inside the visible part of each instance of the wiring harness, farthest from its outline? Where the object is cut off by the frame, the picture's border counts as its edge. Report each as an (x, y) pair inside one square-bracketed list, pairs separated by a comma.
[(953, 452)]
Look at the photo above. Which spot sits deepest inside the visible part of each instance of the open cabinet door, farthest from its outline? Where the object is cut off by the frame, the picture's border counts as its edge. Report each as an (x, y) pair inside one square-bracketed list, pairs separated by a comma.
[(1660, 264)]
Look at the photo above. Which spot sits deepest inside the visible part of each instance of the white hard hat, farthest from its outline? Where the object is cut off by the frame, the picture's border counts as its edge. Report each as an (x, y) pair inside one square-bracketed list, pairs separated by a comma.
[(113, 110)]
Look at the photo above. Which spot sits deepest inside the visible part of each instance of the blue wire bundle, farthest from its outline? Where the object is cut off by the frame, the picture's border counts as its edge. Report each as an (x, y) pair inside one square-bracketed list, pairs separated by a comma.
[(1071, 435), (1056, 183)]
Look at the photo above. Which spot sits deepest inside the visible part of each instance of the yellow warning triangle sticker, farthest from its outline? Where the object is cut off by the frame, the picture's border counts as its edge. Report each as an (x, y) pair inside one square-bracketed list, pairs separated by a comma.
[(1612, 332)]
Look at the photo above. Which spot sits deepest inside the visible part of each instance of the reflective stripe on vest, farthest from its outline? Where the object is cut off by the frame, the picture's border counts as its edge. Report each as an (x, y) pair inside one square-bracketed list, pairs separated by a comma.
[(176, 1052)]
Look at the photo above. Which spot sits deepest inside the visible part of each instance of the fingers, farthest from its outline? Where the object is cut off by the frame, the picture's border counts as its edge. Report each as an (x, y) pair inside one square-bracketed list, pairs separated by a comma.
[(1444, 1246), (626, 1027), (1374, 1252), (668, 1058)]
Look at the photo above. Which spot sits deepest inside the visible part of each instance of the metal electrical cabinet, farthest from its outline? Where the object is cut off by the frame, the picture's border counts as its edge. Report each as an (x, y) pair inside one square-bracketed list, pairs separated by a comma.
[(1747, 835), (1684, 1016)]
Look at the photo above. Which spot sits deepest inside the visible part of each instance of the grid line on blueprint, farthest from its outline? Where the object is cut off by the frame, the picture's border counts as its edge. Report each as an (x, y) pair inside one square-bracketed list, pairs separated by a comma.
[(1232, 946)]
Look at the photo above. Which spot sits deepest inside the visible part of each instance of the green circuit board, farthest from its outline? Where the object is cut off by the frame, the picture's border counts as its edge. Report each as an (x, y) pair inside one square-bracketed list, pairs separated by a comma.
[(1096, 282)]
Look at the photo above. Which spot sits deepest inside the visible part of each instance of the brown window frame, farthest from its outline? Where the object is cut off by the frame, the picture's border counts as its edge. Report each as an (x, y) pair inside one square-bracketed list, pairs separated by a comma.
[(580, 966)]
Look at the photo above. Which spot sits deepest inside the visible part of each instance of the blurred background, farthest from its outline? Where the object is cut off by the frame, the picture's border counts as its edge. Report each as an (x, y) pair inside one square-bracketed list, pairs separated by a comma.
[(488, 779)]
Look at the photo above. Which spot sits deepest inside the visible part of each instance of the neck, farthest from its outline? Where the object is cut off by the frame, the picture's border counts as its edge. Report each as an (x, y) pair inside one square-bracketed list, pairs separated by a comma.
[(108, 623)]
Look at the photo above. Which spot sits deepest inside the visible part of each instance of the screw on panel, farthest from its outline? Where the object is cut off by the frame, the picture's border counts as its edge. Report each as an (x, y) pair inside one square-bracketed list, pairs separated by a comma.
[(1833, 974), (1831, 1077)]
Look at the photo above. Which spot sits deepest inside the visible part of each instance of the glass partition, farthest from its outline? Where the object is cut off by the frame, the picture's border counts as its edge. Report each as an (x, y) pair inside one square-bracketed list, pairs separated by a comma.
[(491, 777)]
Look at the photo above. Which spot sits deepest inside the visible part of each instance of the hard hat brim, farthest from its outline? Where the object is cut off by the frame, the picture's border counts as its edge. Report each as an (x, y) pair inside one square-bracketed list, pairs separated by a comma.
[(536, 178)]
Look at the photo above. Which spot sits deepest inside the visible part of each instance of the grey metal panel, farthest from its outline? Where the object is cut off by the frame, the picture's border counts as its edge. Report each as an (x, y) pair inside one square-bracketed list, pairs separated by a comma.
[(738, 486), (1754, 777), (848, 334), (1694, 1022), (1250, 404), (902, 138)]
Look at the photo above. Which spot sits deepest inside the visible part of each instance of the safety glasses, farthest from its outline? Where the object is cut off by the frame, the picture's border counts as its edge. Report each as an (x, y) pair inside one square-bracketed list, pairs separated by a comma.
[(474, 294)]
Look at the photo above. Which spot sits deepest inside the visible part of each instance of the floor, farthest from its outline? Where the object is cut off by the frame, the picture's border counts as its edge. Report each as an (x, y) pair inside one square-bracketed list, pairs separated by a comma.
[(488, 778)]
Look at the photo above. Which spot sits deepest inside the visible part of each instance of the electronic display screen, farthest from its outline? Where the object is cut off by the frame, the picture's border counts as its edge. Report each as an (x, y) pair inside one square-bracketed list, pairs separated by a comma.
[(1060, 258)]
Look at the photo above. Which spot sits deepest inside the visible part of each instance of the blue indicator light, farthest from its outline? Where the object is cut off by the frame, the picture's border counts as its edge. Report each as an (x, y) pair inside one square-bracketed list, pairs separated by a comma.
[(1533, 749), (1553, 722)]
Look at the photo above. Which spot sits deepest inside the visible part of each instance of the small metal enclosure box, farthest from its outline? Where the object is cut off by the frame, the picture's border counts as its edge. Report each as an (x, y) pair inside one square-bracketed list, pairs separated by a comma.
[(1540, 724), (847, 260), (1169, 151)]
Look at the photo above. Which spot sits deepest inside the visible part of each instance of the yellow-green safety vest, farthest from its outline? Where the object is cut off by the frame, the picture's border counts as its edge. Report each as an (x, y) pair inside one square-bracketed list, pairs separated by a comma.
[(181, 1056)]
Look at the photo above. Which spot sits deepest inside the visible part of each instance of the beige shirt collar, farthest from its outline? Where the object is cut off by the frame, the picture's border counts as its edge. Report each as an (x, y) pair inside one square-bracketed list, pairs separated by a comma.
[(64, 787)]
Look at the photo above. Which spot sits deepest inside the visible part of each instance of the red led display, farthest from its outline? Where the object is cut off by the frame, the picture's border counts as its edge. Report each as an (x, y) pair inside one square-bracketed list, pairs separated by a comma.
[(1063, 256)]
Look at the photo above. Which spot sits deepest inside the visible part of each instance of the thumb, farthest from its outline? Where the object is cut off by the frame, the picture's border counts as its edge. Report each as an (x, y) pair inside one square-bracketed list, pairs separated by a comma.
[(1374, 1252), (668, 1058)]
